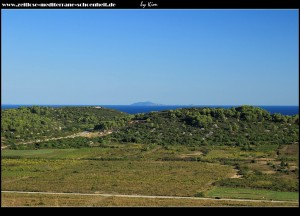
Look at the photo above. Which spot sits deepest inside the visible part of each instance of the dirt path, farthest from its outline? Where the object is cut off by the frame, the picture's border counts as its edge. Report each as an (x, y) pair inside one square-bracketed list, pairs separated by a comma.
[(146, 196)]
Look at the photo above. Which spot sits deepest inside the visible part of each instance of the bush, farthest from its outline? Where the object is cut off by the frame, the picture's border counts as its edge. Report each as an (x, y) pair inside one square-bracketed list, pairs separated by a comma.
[(201, 194)]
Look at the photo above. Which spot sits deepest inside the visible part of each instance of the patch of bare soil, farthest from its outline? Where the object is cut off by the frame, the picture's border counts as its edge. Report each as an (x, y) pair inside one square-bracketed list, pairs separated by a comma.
[(236, 175), (264, 160), (3, 144), (290, 149), (197, 153), (3, 147), (94, 134)]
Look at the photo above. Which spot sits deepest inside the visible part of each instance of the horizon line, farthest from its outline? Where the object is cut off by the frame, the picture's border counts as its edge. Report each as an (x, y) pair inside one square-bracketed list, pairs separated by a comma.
[(139, 105)]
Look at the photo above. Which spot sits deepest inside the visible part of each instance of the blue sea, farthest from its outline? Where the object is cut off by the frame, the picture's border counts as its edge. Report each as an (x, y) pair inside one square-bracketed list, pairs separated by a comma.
[(284, 110)]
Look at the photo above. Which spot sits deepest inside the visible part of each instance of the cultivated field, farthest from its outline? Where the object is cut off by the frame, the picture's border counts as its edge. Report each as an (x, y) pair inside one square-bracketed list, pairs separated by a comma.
[(135, 169)]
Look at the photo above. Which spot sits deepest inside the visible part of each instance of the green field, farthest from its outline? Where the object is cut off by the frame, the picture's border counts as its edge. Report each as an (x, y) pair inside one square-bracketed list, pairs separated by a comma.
[(145, 170), (123, 177)]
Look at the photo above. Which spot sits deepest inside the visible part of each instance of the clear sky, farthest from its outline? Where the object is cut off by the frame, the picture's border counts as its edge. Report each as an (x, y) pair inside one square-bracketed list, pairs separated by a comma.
[(203, 57)]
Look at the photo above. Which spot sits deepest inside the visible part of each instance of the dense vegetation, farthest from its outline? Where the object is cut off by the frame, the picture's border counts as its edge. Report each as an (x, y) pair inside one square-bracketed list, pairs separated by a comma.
[(30, 123), (242, 126), (245, 126)]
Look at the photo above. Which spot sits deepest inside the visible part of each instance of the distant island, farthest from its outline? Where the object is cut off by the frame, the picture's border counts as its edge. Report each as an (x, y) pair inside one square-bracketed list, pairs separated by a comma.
[(146, 103)]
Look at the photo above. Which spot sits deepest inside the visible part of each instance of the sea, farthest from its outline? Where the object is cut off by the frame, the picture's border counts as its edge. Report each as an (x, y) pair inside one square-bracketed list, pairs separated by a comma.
[(284, 110)]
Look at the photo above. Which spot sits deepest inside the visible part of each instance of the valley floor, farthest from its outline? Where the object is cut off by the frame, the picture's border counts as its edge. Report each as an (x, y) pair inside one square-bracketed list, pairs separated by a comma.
[(204, 176)]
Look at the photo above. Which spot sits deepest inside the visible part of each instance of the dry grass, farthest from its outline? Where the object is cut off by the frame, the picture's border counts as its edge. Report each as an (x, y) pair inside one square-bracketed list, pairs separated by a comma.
[(176, 178), (77, 200), (290, 150), (244, 193), (130, 169), (197, 153)]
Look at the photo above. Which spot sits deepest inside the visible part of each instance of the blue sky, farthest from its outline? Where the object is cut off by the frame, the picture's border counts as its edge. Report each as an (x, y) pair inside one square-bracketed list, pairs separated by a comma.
[(203, 57)]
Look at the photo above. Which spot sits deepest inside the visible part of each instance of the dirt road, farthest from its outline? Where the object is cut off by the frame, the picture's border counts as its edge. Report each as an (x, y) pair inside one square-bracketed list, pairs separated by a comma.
[(146, 196)]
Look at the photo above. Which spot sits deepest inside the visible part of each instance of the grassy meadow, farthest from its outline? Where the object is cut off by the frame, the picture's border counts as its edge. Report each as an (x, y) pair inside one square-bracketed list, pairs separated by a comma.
[(135, 169)]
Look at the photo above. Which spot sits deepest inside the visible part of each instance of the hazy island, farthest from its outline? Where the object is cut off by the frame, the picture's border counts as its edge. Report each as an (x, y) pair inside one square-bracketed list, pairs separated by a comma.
[(240, 153)]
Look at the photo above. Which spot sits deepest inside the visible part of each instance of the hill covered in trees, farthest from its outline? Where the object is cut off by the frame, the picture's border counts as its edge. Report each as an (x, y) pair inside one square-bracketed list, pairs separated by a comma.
[(29, 123), (244, 126)]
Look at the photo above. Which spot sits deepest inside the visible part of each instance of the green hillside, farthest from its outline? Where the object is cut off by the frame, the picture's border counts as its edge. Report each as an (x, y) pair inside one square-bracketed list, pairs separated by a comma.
[(29, 123), (246, 127), (242, 126)]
